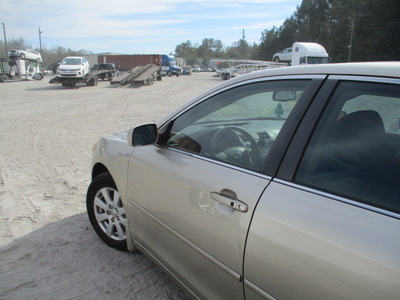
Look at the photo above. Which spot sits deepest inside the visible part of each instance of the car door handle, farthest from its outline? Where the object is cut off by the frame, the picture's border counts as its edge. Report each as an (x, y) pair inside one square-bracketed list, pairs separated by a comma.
[(228, 201)]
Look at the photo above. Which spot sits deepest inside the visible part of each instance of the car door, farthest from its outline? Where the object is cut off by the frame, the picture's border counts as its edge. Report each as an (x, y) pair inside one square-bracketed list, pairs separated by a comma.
[(328, 226), (190, 197), (287, 54)]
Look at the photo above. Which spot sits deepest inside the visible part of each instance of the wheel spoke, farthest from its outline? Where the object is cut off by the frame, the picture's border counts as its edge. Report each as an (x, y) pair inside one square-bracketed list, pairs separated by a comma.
[(121, 211), (101, 217), (120, 230), (100, 203), (116, 200), (105, 192), (122, 221), (110, 229)]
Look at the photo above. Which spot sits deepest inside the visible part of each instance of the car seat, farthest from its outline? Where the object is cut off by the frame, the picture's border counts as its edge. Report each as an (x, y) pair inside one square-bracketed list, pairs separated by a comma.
[(359, 162)]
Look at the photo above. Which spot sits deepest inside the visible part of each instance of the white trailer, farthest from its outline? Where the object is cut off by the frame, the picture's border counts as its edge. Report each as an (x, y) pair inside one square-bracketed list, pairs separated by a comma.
[(226, 69), (308, 53)]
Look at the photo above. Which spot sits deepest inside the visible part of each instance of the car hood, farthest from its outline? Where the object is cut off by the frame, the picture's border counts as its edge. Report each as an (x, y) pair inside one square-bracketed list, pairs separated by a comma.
[(69, 67), (121, 135)]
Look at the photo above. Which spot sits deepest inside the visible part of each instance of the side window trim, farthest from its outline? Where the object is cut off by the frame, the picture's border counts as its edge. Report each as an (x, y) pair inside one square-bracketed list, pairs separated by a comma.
[(298, 143), (213, 161), (281, 144), (365, 79), (338, 198)]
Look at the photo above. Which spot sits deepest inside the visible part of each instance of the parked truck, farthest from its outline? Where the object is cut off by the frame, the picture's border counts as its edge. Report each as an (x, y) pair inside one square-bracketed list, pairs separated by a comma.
[(169, 66), (308, 54), (302, 53)]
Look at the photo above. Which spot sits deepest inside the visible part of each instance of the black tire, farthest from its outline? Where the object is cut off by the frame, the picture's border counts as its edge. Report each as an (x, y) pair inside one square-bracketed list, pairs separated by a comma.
[(277, 59), (106, 212), (92, 81), (3, 78), (39, 76)]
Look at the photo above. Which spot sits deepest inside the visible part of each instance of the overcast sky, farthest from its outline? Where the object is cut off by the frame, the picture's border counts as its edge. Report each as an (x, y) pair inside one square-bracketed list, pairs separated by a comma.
[(136, 27)]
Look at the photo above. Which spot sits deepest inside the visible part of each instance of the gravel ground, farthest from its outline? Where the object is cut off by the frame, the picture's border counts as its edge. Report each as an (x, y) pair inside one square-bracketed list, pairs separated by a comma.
[(48, 249)]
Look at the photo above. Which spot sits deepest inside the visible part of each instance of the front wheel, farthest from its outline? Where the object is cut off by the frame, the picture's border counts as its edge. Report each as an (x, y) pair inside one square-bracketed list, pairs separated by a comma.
[(92, 81), (106, 211), (3, 78), (39, 76)]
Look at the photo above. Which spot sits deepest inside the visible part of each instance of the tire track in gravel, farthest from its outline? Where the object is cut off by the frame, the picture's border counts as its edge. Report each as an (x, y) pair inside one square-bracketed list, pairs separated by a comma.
[(46, 137)]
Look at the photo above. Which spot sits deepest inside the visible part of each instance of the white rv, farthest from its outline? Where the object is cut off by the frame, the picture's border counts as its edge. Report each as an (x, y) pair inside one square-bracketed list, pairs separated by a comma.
[(308, 53)]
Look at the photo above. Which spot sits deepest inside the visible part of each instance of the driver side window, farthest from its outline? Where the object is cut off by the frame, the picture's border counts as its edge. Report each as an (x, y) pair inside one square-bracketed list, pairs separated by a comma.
[(237, 126)]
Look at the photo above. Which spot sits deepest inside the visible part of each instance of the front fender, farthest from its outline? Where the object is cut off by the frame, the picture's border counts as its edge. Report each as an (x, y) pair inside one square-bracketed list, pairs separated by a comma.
[(111, 154)]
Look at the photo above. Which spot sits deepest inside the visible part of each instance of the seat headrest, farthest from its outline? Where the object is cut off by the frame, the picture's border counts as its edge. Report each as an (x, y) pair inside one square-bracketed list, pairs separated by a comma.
[(358, 136), (358, 123)]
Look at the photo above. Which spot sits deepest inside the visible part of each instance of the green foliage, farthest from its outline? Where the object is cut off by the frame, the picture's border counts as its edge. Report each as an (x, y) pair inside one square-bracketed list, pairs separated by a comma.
[(350, 30), (375, 25)]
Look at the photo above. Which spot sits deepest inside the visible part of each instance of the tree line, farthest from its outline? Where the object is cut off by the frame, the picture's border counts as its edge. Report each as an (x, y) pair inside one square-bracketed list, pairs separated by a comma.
[(350, 30)]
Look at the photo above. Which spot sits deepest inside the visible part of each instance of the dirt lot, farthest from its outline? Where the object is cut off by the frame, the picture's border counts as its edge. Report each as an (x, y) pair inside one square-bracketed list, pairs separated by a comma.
[(48, 249)]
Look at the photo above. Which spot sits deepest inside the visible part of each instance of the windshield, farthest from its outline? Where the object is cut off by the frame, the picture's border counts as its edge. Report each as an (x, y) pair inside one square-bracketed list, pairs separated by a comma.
[(317, 60), (71, 61)]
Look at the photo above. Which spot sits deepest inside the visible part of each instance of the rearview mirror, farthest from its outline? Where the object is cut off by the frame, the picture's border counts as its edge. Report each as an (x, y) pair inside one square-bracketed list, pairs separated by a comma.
[(283, 96), (143, 135)]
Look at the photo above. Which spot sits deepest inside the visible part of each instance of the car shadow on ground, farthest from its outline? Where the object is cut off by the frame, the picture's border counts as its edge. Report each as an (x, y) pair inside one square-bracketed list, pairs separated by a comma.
[(66, 260)]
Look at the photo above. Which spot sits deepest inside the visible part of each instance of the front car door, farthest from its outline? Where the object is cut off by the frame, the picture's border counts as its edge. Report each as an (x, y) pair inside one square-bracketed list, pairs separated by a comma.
[(328, 226), (190, 197)]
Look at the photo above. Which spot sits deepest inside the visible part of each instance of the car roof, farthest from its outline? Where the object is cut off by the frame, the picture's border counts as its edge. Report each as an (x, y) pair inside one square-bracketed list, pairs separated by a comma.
[(380, 69), (390, 69)]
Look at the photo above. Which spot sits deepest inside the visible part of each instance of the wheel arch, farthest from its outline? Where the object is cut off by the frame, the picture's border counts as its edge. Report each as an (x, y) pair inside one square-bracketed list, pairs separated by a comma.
[(99, 169)]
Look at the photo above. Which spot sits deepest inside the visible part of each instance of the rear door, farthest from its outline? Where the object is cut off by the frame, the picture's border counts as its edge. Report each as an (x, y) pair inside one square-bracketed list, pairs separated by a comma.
[(328, 226), (191, 198)]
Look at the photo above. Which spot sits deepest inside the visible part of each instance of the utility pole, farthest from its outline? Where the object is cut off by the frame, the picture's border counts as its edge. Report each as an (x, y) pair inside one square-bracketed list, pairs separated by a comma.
[(40, 39), (5, 38), (351, 40), (242, 44)]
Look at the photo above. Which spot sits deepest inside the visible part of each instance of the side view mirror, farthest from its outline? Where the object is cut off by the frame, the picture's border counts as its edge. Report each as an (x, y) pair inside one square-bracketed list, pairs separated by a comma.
[(143, 135)]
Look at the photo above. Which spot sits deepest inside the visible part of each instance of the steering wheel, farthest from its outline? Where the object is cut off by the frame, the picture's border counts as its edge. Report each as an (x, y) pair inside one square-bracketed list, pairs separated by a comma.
[(228, 144)]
